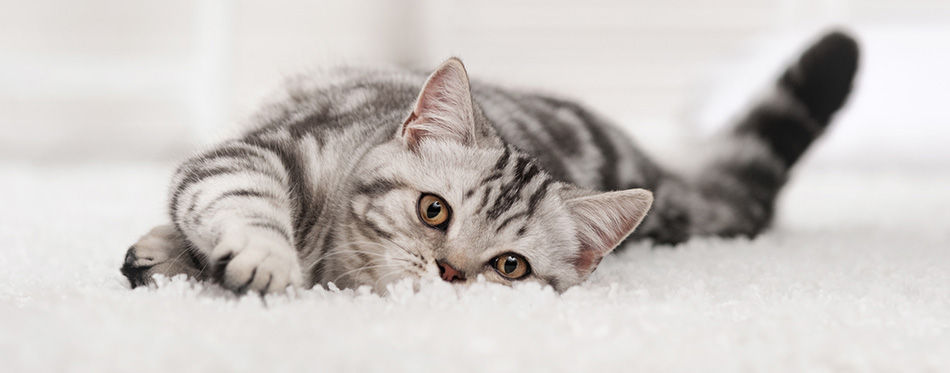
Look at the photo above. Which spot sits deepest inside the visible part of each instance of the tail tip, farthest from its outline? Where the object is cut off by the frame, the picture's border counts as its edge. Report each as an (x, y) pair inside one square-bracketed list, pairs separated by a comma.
[(836, 53), (823, 76)]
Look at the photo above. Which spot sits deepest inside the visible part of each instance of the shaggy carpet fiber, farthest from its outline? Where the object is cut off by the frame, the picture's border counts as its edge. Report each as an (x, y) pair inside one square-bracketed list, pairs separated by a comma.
[(854, 276)]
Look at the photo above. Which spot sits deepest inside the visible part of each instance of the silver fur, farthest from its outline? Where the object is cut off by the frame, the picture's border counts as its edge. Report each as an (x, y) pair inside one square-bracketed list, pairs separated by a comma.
[(326, 187)]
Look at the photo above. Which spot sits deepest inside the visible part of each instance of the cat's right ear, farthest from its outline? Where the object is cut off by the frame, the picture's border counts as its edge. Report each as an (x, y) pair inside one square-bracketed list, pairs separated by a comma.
[(444, 109)]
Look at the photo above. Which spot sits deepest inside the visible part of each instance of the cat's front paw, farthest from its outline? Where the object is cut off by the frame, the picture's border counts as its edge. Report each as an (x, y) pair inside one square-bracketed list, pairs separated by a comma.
[(247, 262)]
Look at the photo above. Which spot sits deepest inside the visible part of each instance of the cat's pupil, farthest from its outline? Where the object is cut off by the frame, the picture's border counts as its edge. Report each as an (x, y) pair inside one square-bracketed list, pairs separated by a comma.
[(433, 210), (511, 263)]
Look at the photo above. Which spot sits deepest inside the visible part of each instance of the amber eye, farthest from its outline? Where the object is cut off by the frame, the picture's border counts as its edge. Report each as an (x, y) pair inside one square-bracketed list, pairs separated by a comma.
[(511, 265), (433, 211)]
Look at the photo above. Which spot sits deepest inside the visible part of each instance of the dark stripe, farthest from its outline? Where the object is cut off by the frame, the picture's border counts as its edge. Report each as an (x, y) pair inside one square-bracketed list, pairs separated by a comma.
[(538, 195), (197, 218), (533, 202), (194, 169), (520, 166), (509, 193), (510, 219), (610, 180), (274, 227), (563, 132), (205, 173), (249, 193), (194, 204), (485, 197), (787, 134), (531, 172), (492, 177), (552, 144), (228, 150), (258, 165), (502, 162), (379, 187), (377, 230), (306, 208), (506, 197), (500, 165), (189, 180)]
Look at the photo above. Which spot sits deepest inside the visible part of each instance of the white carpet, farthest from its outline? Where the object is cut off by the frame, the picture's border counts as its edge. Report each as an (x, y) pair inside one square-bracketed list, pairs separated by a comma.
[(855, 277)]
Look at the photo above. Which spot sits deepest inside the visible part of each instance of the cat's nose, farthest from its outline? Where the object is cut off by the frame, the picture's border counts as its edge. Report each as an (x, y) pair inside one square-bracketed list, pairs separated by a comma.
[(448, 273)]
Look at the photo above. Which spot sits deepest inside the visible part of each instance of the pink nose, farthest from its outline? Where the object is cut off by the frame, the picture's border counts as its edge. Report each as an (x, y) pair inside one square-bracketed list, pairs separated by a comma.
[(448, 273)]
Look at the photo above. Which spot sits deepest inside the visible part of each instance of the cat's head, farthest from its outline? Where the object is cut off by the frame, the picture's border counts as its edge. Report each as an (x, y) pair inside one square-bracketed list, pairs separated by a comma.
[(447, 198)]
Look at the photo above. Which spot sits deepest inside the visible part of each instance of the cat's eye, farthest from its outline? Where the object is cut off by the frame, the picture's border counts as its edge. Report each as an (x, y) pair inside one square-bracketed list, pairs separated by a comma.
[(511, 265), (434, 211)]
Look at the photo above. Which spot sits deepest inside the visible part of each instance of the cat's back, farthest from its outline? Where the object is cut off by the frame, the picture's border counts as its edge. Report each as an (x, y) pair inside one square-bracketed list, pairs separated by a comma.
[(339, 99), (568, 141)]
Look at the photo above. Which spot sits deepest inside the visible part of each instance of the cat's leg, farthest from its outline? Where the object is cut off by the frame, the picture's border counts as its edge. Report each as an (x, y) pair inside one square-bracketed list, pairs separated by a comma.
[(163, 250), (234, 206), (734, 193)]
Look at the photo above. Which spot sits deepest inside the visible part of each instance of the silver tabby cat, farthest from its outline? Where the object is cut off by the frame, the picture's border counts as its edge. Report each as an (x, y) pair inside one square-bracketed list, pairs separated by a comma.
[(366, 177)]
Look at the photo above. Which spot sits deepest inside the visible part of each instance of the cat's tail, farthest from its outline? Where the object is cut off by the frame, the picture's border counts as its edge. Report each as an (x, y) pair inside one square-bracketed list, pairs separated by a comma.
[(734, 193), (806, 97)]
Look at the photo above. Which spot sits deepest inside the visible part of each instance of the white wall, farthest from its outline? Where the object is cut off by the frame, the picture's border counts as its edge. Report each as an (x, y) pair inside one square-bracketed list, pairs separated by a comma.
[(118, 79)]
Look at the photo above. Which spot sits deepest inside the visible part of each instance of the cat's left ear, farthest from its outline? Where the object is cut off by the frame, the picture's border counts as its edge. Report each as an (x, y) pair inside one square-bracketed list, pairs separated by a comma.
[(603, 221), (444, 109)]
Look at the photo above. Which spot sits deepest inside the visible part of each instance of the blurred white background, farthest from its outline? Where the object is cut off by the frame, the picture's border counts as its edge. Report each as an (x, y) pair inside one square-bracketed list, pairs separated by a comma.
[(150, 80)]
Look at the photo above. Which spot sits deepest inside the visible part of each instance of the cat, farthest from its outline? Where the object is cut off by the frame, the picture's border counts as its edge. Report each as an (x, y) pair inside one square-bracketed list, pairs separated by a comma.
[(367, 177)]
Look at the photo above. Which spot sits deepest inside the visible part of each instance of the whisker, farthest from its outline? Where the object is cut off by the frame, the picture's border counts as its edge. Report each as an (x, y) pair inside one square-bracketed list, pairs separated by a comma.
[(371, 261), (334, 254), (174, 262), (401, 247), (376, 285), (337, 251)]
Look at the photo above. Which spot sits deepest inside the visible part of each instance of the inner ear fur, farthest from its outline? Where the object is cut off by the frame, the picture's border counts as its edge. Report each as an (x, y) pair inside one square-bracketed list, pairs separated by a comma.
[(604, 220), (444, 109)]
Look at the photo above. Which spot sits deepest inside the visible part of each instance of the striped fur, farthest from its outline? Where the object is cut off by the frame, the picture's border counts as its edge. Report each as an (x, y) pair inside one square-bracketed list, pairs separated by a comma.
[(326, 187)]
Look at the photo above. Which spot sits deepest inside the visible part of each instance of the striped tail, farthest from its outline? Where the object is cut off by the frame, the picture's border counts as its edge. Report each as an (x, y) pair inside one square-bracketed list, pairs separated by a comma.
[(765, 144), (809, 93), (734, 193)]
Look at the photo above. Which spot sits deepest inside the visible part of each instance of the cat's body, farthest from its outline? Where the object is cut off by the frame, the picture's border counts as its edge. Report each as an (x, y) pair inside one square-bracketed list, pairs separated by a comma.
[(357, 178)]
